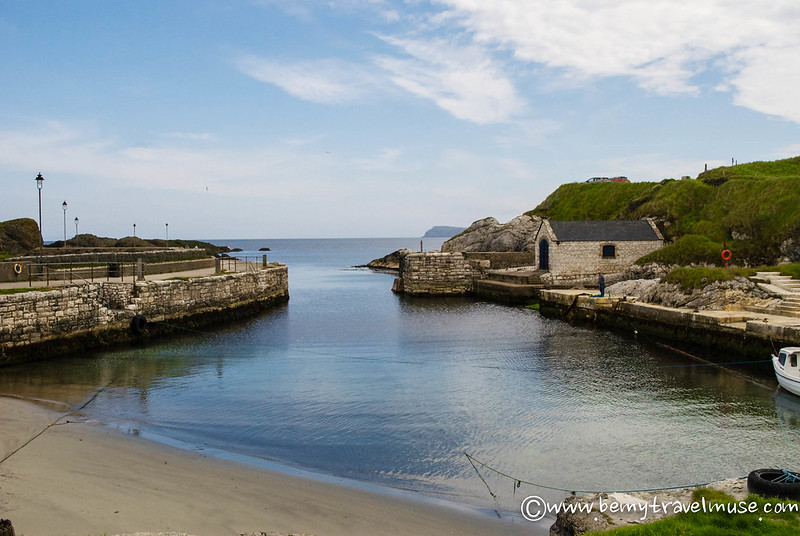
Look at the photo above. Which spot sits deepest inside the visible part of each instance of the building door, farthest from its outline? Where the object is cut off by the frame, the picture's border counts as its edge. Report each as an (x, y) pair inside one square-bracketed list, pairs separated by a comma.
[(544, 255)]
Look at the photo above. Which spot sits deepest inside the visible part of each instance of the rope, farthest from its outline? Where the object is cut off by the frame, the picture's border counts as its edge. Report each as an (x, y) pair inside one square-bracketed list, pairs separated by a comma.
[(717, 364), (56, 422), (571, 491), (496, 511)]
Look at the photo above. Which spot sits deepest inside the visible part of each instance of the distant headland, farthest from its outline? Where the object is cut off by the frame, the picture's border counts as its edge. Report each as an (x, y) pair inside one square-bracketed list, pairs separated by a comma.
[(442, 231)]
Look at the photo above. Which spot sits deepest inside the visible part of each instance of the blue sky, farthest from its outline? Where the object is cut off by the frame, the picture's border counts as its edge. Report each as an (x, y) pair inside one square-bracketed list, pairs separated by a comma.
[(312, 118)]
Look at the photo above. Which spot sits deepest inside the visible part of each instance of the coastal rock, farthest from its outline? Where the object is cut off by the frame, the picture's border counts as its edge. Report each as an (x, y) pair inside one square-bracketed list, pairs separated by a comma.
[(490, 235), (19, 237), (790, 248), (651, 270), (720, 295), (632, 287), (389, 262)]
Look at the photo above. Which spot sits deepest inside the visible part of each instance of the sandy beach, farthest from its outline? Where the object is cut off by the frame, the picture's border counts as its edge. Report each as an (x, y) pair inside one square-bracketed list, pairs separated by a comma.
[(85, 478)]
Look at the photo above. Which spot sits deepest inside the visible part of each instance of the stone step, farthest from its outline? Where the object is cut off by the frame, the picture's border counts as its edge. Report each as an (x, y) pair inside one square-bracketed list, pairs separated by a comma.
[(507, 292), (757, 309), (774, 311), (784, 311), (515, 277)]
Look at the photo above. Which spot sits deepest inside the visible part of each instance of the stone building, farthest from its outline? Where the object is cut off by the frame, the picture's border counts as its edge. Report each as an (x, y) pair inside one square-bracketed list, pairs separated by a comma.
[(573, 250)]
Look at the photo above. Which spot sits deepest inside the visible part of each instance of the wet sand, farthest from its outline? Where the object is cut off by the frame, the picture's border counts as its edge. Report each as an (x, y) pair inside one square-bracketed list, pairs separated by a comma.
[(85, 478)]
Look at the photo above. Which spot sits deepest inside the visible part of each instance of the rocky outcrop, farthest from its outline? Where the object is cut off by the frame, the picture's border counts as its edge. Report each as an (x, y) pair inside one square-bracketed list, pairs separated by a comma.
[(390, 262), (490, 235), (790, 247), (19, 237), (720, 295)]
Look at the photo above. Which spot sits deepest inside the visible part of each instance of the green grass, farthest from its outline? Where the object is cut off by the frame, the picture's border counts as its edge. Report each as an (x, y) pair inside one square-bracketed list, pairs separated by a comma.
[(591, 201), (753, 207), (21, 290), (687, 249), (762, 522), (789, 167), (691, 278)]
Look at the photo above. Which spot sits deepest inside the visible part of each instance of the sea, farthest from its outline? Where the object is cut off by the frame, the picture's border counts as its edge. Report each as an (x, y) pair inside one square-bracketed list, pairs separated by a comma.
[(453, 400)]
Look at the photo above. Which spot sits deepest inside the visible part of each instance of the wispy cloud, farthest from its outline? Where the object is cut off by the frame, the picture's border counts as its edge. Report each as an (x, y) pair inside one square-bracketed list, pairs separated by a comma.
[(662, 44), (328, 81), (462, 80)]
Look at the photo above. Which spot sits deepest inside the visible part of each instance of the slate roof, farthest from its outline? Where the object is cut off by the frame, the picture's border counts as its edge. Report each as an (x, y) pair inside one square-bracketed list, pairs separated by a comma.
[(603, 231)]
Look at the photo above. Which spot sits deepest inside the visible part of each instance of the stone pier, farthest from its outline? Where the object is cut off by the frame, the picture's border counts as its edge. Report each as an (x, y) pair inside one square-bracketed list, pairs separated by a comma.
[(39, 324)]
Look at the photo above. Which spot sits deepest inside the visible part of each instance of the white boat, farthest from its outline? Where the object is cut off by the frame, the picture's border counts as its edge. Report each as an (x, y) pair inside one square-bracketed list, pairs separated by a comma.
[(787, 368)]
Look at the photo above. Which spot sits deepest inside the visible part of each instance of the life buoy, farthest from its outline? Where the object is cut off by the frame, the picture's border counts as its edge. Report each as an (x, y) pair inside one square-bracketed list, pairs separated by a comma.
[(138, 324), (18, 269), (726, 254)]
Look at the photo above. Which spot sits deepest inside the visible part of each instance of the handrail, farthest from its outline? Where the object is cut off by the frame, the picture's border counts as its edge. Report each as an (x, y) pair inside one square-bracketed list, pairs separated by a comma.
[(76, 273)]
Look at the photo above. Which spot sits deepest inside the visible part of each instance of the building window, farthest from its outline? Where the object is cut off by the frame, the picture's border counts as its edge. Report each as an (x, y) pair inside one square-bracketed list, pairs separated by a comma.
[(609, 251)]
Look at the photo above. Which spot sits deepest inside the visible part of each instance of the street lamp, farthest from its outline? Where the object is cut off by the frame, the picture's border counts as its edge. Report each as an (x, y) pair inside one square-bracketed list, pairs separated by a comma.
[(167, 226), (64, 206), (39, 183), (76, 227), (134, 230)]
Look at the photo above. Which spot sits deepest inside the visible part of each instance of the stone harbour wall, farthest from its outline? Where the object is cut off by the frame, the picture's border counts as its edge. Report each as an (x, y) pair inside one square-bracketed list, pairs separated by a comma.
[(93, 314), (452, 273), (435, 273)]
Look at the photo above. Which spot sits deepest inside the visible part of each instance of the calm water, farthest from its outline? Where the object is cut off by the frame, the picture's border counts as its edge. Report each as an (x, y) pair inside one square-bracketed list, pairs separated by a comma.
[(350, 380)]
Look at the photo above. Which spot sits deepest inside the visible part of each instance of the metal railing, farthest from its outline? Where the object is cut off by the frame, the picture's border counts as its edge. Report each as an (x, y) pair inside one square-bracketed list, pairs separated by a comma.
[(82, 273), (237, 264), (77, 274)]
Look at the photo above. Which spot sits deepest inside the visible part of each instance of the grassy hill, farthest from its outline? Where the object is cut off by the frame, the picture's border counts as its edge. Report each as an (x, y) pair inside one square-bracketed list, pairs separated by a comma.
[(753, 207)]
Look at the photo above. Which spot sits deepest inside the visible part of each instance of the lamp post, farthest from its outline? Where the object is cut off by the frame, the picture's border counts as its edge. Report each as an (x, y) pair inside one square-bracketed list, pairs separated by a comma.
[(39, 183), (167, 235), (64, 206), (76, 227), (134, 230)]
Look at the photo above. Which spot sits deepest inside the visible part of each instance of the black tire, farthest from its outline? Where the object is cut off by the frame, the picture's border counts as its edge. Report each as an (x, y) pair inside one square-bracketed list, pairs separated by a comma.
[(761, 482), (138, 324)]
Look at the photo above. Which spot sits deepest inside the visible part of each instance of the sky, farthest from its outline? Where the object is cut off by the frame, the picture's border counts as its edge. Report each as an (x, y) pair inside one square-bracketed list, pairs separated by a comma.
[(374, 118)]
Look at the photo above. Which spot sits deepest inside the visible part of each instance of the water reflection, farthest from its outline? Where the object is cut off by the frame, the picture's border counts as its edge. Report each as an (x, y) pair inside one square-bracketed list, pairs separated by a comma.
[(351, 380)]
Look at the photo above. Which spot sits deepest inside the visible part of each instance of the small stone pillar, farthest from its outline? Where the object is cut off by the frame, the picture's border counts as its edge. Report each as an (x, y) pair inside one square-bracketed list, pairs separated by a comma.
[(139, 270), (264, 260), (217, 266)]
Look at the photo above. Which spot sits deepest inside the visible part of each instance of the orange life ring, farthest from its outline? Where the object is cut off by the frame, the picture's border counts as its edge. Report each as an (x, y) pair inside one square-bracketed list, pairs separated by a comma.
[(726, 254), (17, 268)]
